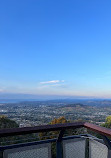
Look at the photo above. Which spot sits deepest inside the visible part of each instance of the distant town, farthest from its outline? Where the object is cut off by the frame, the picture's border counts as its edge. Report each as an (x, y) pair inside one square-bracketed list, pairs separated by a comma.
[(33, 113)]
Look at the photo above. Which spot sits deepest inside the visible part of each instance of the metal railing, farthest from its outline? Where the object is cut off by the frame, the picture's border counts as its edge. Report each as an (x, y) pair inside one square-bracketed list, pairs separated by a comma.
[(104, 132)]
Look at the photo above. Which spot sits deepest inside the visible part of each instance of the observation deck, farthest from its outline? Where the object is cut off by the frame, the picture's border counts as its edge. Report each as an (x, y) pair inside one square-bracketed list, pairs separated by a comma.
[(70, 146)]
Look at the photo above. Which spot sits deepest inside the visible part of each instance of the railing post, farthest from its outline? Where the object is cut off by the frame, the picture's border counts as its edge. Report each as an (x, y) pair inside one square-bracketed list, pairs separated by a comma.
[(87, 148), (59, 146), (1, 153), (108, 144)]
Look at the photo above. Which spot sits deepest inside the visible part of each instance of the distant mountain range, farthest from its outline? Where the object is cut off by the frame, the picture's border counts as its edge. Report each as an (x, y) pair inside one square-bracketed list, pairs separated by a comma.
[(15, 98), (85, 103), (41, 97)]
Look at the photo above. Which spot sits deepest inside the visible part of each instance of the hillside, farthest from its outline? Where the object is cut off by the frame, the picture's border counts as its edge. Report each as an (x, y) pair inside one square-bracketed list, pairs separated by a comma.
[(7, 123)]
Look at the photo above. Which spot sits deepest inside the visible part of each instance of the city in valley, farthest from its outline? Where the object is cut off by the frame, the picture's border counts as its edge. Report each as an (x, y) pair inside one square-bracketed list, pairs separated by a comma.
[(33, 113)]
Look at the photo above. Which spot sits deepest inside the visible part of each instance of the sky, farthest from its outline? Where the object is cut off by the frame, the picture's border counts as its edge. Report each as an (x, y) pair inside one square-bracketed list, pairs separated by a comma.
[(55, 47)]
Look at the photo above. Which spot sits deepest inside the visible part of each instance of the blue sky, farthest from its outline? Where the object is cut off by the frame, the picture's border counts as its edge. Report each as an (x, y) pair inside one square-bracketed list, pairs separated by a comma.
[(55, 47)]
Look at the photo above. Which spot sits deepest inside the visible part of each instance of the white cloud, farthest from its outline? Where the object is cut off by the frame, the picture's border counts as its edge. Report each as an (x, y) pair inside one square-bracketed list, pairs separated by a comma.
[(52, 82)]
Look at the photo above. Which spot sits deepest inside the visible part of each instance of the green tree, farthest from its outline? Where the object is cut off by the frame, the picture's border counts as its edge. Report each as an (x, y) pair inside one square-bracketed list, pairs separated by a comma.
[(107, 123), (7, 123)]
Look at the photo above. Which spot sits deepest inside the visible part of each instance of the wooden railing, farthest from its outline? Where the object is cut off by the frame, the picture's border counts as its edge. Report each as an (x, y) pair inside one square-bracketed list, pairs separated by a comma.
[(55, 127), (104, 132)]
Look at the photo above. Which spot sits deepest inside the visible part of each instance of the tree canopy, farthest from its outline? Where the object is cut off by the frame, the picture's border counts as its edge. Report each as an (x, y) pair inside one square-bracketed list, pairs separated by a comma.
[(107, 123), (7, 123)]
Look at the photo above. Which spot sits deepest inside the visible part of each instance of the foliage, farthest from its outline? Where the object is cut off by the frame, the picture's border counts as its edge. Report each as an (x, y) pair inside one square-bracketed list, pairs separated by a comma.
[(7, 123), (107, 123), (59, 120), (53, 134), (50, 135)]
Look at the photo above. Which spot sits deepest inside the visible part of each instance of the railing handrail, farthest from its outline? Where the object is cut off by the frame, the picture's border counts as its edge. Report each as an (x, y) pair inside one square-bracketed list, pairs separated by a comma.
[(55, 127), (37, 129), (98, 129)]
